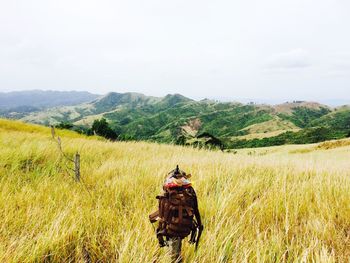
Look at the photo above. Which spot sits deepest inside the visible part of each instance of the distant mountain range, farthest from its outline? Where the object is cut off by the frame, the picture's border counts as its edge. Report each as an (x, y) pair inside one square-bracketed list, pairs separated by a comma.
[(177, 119), (19, 103)]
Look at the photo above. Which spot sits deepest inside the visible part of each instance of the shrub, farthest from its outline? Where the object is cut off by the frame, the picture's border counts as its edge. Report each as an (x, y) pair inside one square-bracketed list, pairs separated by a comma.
[(102, 128)]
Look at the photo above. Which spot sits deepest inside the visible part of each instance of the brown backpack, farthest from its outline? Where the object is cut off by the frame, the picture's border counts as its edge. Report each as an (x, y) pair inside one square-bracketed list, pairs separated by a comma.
[(177, 208)]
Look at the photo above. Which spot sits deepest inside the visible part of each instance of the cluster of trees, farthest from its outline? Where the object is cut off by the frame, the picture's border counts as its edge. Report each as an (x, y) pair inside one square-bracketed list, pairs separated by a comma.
[(102, 128), (99, 127), (204, 140)]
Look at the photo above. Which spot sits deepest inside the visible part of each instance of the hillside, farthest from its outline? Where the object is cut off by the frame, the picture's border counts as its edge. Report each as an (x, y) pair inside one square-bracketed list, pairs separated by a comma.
[(170, 119), (288, 203)]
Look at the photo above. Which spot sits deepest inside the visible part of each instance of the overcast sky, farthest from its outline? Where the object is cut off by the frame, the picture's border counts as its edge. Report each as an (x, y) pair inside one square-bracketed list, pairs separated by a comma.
[(270, 49)]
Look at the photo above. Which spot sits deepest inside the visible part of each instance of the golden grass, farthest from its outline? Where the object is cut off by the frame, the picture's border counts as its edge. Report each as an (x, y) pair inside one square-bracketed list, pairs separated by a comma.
[(333, 144), (275, 207)]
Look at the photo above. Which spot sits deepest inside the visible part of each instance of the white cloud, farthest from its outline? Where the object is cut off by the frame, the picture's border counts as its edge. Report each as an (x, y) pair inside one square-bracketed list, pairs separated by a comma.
[(340, 65), (198, 48), (291, 60)]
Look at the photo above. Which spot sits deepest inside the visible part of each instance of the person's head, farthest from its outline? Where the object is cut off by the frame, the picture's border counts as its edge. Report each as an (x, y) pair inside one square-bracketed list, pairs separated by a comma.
[(177, 173)]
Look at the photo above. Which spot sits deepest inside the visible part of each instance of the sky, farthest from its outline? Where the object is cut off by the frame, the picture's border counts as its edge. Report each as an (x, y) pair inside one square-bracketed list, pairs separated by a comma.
[(272, 50)]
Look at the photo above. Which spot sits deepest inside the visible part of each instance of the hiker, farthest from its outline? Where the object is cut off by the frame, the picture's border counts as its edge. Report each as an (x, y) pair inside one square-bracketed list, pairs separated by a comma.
[(178, 215)]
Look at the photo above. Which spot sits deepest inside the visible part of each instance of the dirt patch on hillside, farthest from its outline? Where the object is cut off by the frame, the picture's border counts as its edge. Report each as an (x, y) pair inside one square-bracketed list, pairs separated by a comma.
[(192, 127)]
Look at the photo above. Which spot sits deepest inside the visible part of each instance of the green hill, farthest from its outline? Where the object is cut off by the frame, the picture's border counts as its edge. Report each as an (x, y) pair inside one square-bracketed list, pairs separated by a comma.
[(180, 120)]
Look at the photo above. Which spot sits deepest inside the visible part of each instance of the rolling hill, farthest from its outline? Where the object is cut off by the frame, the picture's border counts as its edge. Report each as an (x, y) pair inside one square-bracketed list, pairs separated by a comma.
[(275, 204), (177, 119)]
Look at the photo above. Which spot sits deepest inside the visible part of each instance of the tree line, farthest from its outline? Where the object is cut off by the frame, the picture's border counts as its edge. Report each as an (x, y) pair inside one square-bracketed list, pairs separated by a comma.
[(99, 127)]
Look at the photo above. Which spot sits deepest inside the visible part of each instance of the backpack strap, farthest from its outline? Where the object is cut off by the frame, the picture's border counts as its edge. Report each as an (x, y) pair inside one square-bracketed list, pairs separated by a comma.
[(154, 216), (180, 214)]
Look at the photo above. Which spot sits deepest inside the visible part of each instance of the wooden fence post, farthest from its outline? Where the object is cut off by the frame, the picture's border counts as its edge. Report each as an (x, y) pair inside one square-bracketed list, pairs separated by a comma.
[(76, 160), (77, 167), (59, 144), (53, 131)]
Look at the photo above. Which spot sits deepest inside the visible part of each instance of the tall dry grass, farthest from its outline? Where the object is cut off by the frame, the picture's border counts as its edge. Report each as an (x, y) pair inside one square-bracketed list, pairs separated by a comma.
[(271, 207)]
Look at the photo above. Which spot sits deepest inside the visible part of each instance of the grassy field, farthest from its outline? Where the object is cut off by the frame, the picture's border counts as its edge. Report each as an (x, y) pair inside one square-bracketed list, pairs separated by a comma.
[(280, 204)]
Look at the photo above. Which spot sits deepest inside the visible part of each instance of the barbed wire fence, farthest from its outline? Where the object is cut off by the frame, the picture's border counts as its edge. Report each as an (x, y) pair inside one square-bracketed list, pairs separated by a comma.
[(75, 161), (77, 176)]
